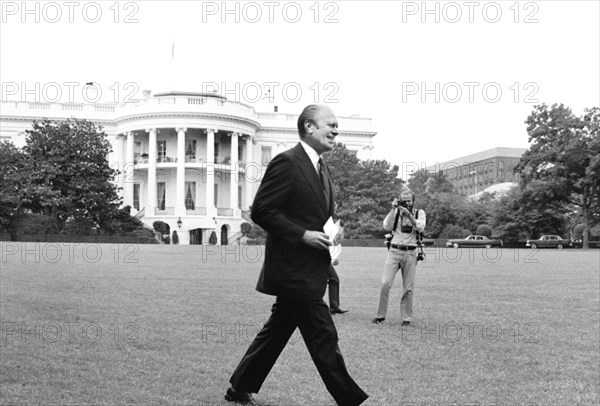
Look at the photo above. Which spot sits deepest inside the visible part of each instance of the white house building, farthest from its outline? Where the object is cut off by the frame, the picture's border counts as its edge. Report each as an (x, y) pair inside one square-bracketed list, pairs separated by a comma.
[(192, 160)]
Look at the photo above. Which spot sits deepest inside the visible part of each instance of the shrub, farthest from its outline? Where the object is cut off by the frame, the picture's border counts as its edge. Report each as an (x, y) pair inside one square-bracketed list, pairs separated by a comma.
[(33, 224), (160, 226), (144, 234), (245, 228), (80, 226), (485, 230)]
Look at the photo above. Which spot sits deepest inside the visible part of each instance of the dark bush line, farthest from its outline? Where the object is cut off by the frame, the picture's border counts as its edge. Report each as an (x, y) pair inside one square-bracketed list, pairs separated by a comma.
[(102, 239)]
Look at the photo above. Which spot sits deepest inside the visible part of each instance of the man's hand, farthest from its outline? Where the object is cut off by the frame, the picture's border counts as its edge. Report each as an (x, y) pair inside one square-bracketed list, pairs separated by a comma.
[(408, 214), (339, 236), (316, 239), (403, 211)]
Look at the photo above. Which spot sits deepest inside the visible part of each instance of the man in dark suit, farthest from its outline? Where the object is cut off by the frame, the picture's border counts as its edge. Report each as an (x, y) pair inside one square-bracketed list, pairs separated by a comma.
[(293, 203)]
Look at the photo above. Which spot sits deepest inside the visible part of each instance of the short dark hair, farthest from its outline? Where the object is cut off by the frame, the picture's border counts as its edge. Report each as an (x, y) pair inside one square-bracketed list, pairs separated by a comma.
[(309, 114)]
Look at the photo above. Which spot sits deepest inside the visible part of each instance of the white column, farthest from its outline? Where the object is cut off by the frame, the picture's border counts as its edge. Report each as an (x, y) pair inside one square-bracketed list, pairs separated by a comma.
[(128, 171), (250, 166), (234, 175), (119, 163), (211, 210), (152, 198), (180, 201)]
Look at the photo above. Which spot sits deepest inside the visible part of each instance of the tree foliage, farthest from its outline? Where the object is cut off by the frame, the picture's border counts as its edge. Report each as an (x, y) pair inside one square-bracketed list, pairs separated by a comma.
[(15, 185), (69, 174), (564, 157), (364, 191), (484, 230)]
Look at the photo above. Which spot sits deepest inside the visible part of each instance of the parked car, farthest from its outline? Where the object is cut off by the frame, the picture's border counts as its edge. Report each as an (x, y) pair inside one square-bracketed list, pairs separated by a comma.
[(474, 241), (579, 243), (428, 242), (549, 241)]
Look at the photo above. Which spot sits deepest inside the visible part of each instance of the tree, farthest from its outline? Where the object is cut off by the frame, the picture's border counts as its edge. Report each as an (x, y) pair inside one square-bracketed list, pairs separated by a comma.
[(363, 190), (69, 172), (245, 228), (423, 182), (442, 210), (418, 180), (15, 185), (484, 230), (528, 212), (565, 157)]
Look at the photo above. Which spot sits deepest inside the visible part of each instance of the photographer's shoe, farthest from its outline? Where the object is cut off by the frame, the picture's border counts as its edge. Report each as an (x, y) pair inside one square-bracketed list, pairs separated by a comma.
[(378, 320), (406, 323)]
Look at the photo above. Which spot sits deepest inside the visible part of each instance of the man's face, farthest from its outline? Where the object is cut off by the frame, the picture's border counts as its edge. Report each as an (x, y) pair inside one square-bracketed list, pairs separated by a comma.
[(407, 198), (321, 134)]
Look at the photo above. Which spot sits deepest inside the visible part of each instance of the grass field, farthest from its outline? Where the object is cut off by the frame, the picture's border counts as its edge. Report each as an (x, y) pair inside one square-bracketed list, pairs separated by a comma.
[(166, 325)]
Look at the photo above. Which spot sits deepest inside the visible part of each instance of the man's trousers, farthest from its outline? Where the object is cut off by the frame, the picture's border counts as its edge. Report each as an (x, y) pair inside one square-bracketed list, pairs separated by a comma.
[(333, 286), (314, 320), (406, 261)]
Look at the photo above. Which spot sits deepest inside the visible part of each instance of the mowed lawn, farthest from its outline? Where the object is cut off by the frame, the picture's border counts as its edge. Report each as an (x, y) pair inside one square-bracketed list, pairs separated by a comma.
[(166, 325)]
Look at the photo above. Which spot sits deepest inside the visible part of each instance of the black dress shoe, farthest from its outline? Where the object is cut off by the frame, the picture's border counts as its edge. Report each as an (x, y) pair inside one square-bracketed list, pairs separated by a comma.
[(406, 323), (378, 320), (242, 398), (339, 310)]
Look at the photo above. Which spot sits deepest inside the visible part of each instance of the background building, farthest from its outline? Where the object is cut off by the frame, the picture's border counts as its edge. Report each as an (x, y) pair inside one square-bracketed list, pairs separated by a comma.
[(491, 170), (192, 160)]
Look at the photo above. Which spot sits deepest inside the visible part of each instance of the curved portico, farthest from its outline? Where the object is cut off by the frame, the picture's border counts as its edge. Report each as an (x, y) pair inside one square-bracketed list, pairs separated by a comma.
[(187, 168)]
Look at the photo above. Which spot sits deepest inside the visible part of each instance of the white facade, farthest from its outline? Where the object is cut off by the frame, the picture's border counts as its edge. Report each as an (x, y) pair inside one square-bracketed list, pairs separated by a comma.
[(191, 160)]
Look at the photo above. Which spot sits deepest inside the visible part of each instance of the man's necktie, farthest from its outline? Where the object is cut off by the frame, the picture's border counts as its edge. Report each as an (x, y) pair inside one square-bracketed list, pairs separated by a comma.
[(324, 182)]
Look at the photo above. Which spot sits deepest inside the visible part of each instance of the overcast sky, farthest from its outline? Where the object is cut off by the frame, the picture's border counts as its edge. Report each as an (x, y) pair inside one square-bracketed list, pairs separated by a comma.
[(486, 63)]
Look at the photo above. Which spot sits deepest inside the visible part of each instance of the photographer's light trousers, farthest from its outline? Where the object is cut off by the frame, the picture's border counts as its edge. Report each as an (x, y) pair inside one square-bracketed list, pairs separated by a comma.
[(406, 261)]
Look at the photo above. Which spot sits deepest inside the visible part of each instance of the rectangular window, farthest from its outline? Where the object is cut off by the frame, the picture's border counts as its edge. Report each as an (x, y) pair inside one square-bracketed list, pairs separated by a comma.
[(136, 196), (265, 155), (190, 195), (161, 188), (161, 147), (216, 194), (239, 202)]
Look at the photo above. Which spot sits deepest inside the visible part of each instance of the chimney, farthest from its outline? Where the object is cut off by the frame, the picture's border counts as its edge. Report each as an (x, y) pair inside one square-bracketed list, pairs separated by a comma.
[(276, 109)]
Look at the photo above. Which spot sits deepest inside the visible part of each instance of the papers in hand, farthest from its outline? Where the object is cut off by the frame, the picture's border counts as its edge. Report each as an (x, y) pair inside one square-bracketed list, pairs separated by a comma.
[(331, 229), (335, 251)]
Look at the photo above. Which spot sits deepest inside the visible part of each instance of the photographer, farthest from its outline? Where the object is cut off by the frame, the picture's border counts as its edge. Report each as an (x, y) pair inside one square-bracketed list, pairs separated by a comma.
[(406, 226)]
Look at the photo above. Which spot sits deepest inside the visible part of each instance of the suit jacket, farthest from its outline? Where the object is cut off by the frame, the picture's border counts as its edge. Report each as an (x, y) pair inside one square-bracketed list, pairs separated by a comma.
[(289, 201)]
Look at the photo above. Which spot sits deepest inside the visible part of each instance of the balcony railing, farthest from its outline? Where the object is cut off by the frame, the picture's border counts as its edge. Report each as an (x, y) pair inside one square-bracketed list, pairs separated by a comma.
[(224, 212), (168, 211), (223, 160), (193, 159), (166, 159), (198, 211)]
